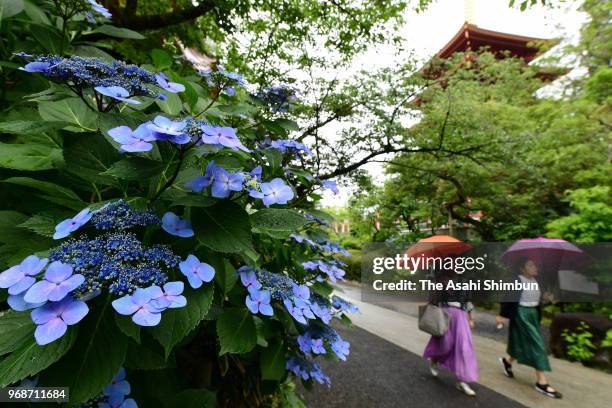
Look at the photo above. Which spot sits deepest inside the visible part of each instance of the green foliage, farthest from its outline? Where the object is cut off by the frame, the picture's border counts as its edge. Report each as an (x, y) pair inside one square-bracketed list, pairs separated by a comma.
[(236, 331), (578, 343)]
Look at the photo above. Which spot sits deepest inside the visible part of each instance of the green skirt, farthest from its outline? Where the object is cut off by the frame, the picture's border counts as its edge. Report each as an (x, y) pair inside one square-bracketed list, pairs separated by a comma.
[(525, 341)]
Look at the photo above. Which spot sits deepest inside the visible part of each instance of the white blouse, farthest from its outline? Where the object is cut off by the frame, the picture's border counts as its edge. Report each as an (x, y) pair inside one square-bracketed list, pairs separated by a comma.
[(529, 298)]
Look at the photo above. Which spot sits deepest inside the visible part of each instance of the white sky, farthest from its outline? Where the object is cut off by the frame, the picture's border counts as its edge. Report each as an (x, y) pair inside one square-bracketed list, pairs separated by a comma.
[(426, 33)]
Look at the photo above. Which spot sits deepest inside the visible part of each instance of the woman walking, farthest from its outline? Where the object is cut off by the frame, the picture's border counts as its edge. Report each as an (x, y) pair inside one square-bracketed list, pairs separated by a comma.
[(455, 350), (525, 342)]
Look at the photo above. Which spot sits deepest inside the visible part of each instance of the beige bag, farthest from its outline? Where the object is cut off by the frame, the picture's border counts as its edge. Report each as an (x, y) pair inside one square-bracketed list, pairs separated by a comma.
[(433, 320)]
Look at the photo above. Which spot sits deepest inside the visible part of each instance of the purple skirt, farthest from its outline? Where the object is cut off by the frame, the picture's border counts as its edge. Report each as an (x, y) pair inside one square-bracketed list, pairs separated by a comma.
[(455, 350)]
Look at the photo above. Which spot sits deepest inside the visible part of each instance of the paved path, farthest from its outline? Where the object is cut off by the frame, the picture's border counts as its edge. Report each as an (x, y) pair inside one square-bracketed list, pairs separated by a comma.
[(375, 363)]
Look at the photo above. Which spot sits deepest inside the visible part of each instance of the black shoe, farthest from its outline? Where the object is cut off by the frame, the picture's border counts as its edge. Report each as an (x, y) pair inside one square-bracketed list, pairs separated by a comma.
[(548, 391), (507, 367)]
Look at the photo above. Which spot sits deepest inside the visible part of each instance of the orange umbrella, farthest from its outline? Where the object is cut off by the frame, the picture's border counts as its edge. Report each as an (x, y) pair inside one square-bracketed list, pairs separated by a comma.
[(438, 246)]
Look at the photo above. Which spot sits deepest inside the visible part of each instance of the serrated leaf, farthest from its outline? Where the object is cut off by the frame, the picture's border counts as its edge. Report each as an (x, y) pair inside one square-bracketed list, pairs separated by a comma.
[(118, 32), (277, 222), (236, 331), (30, 358), (30, 126), (177, 323), (128, 327), (41, 224), (28, 157), (272, 362), (141, 357), (161, 58), (224, 227), (94, 360), (287, 124), (10, 8), (15, 329), (172, 105), (134, 168), (71, 110)]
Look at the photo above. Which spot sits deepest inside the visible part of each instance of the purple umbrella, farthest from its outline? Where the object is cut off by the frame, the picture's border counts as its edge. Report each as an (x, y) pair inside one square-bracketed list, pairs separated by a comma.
[(552, 254)]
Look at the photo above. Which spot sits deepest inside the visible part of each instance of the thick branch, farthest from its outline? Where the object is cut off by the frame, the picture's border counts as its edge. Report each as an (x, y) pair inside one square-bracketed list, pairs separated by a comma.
[(155, 21)]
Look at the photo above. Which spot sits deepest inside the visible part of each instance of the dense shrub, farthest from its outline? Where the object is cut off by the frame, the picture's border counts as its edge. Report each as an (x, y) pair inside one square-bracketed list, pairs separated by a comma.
[(159, 244)]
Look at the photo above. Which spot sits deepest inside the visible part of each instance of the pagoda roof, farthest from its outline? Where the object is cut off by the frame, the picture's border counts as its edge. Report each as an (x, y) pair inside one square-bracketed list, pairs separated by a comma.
[(471, 37)]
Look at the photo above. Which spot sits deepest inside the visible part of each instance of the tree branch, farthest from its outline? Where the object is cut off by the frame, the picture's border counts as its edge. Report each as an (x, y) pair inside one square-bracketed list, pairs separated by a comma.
[(155, 21)]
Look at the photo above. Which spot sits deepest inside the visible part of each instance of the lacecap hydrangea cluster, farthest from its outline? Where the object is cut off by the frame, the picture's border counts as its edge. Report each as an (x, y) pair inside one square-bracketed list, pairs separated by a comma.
[(116, 80), (312, 310), (106, 255), (224, 80)]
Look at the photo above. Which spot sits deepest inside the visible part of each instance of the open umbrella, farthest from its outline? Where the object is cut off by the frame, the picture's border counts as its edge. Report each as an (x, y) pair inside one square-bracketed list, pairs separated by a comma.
[(438, 246), (552, 254)]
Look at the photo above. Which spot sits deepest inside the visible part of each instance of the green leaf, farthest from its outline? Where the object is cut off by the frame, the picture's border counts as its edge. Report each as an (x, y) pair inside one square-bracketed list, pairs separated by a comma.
[(226, 276), (236, 331), (118, 32), (30, 126), (135, 168), (141, 357), (50, 191), (95, 358), (29, 157), (194, 398), (161, 59), (71, 110), (15, 330), (35, 13), (41, 224), (48, 36), (189, 199), (275, 158), (10, 8), (272, 362), (287, 124), (177, 323), (277, 223), (172, 105), (87, 156), (224, 227), (30, 358), (128, 327)]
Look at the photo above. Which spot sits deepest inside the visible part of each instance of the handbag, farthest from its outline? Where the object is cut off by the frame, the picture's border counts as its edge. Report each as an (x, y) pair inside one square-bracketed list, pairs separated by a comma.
[(433, 320)]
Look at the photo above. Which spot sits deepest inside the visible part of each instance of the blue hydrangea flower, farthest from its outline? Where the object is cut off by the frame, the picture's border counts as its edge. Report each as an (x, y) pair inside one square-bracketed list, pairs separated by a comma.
[(20, 277), (17, 303), (172, 297), (118, 401), (53, 319), (222, 136), (162, 81), (341, 348), (196, 272), (36, 66), (201, 182), (58, 282), (225, 182), (279, 97), (258, 301), (69, 225), (291, 146), (299, 309), (305, 370), (301, 292), (276, 192), (317, 346), (99, 9), (118, 385), (344, 305), (140, 306), (322, 312), (304, 343), (173, 225), (166, 129), (330, 185), (118, 215), (133, 141), (116, 92), (249, 278)]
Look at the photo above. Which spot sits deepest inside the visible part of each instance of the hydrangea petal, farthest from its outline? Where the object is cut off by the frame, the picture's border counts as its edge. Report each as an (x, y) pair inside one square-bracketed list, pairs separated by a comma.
[(50, 331)]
